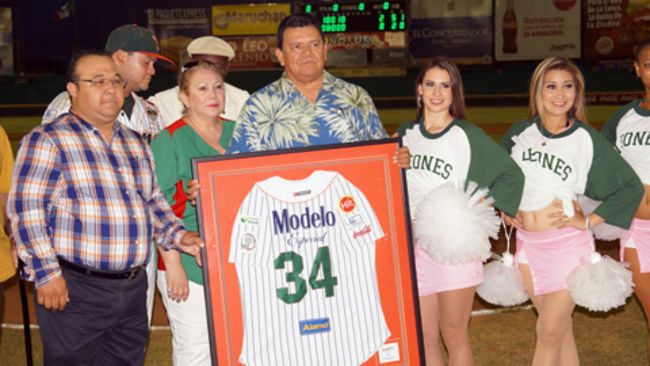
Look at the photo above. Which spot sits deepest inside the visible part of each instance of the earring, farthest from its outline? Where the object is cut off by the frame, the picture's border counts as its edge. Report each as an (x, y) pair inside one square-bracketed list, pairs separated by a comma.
[(419, 102)]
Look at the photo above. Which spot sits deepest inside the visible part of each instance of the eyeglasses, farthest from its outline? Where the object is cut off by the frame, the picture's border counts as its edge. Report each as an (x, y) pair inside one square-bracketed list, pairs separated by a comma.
[(102, 82)]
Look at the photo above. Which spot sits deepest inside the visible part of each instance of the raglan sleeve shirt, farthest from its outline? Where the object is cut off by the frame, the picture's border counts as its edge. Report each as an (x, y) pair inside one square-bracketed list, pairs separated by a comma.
[(613, 181), (609, 128), (490, 165), (609, 178)]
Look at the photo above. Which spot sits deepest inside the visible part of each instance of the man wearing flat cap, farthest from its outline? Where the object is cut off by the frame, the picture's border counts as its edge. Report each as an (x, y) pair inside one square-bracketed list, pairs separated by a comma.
[(215, 51), (134, 51)]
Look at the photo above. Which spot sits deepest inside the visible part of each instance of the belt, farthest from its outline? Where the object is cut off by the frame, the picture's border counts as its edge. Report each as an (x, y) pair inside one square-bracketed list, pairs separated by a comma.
[(122, 275)]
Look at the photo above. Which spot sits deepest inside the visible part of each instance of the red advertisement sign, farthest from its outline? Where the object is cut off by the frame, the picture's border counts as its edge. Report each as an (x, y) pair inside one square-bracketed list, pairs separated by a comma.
[(365, 40), (613, 27), (253, 52)]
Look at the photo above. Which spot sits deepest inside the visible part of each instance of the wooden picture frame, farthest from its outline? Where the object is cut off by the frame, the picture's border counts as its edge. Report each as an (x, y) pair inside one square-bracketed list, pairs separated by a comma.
[(351, 188)]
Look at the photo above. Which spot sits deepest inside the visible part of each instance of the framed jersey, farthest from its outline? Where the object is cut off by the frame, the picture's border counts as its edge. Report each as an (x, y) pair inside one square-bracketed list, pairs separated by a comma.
[(308, 257)]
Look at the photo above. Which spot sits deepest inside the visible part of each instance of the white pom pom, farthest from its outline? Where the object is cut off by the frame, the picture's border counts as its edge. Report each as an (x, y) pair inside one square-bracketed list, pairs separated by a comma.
[(508, 259), (502, 284), (600, 284), (603, 231), (454, 225)]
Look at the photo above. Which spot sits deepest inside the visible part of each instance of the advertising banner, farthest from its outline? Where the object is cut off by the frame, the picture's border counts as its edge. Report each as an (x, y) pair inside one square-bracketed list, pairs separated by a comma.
[(458, 29), (308, 257), (175, 28), (253, 52), (533, 30), (365, 40), (613, 27), (253, 19), (6, 42)]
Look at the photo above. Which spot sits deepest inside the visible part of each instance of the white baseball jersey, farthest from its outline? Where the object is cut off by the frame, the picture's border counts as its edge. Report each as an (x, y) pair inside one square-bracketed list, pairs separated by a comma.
[(305, 257), (629, 130)]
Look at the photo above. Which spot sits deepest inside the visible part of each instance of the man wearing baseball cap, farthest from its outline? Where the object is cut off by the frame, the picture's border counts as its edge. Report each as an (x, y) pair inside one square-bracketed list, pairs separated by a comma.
[(213, 50), (134, 51)]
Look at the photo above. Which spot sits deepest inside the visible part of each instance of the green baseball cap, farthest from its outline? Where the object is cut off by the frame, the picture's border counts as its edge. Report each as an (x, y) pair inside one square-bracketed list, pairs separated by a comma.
[(133, 38)]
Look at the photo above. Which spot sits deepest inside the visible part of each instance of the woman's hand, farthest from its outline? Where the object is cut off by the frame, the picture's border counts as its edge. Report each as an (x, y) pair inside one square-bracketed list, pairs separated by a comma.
[(402, 157), (176, 279), (512, 221), (192, 191), (178, 288), (578, 220)]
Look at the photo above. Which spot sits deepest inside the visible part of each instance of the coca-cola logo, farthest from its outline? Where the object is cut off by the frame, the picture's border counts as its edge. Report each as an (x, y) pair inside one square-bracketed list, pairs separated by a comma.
[(347, 204), (564, 4)]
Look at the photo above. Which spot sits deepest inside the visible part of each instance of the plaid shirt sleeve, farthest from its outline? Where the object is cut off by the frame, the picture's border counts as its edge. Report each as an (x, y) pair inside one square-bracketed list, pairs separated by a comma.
[(34, 182), (168, 228)]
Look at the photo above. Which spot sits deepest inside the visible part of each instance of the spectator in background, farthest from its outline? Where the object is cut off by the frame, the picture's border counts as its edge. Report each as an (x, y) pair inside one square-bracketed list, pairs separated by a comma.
[(7, 247), (217, 52)]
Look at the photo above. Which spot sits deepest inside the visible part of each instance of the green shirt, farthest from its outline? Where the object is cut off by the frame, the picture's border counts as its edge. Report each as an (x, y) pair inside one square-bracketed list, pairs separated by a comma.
[(172, 149)]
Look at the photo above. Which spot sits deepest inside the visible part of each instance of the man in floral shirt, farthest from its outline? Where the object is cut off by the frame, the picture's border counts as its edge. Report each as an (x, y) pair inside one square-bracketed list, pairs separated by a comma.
[(307, 105)]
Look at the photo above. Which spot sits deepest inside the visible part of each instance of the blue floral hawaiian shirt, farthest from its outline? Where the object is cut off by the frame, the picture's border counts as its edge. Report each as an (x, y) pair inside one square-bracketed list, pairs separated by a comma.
[(278, 116)]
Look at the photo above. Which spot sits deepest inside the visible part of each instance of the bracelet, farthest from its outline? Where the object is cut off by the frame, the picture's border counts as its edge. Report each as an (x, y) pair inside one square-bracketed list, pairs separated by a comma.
[(587, 222)]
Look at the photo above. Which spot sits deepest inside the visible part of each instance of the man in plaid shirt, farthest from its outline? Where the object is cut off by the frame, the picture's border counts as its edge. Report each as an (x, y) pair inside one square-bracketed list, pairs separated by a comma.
[(84, 206)]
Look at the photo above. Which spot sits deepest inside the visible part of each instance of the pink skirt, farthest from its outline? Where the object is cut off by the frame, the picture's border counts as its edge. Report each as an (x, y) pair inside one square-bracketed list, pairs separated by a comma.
[(434, 277), (638, 236), (552, 255)]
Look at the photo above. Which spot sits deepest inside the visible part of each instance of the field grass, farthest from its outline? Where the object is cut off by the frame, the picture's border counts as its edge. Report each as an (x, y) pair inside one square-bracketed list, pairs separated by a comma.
[(505, 338)]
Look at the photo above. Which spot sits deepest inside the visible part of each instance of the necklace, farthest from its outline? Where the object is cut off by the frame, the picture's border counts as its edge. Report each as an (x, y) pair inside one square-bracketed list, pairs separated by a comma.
[(545, 138)]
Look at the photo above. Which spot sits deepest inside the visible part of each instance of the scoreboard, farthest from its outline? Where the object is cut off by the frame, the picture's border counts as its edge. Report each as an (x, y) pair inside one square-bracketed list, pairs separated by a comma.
[(358, 16)]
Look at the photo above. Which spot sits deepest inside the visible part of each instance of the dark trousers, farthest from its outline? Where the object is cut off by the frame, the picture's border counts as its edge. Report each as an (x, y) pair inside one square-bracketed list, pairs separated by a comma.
[(105, 322)]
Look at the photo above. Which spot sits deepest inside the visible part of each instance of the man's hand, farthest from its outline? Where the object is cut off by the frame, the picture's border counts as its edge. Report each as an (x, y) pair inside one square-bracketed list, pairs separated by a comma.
[(54, 295), (192, 191), (402, 157), (191, 243)]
